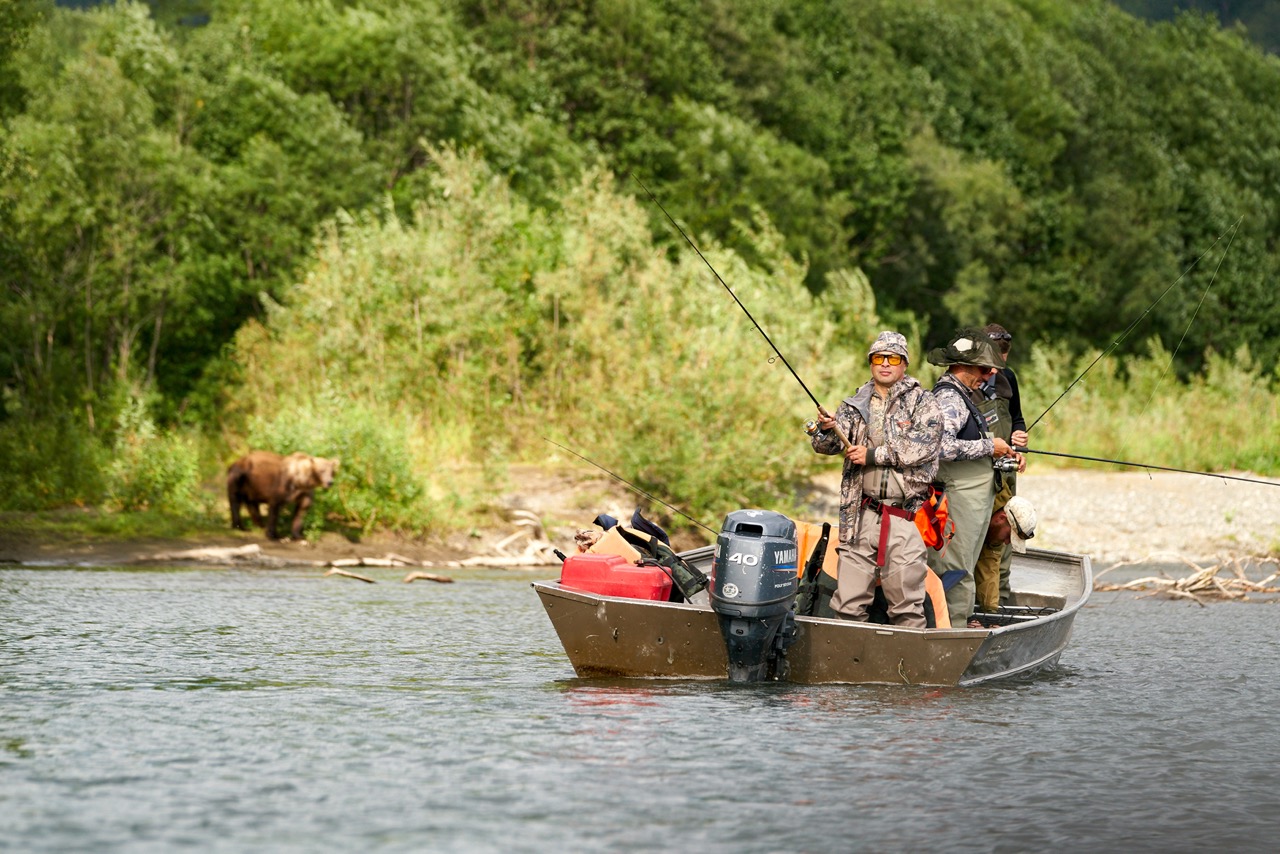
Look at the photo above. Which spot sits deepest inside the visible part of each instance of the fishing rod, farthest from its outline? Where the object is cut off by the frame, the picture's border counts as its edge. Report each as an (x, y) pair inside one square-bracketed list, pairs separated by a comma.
[(1125, 334), (1147, 466), (632, 486), (844, 440)]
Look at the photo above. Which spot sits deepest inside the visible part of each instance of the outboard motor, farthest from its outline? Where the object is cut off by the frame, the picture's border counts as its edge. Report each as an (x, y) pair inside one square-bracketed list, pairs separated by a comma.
[(753, 591)]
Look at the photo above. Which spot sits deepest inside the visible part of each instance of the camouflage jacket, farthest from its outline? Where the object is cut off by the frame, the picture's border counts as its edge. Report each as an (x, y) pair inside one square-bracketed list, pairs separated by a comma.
[(913, 431), (951, 396)]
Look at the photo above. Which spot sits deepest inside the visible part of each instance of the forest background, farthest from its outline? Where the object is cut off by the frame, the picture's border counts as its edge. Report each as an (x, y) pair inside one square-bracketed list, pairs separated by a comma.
[(407, 234)]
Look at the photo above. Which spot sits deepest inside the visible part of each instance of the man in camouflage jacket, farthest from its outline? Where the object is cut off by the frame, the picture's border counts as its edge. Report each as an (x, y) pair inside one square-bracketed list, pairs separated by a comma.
[(894, 429)]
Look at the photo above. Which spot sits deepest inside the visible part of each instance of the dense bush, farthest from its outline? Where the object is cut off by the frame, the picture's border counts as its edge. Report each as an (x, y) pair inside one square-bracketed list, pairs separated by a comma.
[(53, 462), (153, 470)]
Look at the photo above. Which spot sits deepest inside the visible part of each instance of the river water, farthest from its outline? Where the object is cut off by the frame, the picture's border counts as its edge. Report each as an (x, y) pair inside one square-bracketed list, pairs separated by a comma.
[(236, 710)]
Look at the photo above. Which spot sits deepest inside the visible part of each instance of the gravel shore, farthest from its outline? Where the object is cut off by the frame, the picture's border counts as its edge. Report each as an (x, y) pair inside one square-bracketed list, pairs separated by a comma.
[(1154, 517)]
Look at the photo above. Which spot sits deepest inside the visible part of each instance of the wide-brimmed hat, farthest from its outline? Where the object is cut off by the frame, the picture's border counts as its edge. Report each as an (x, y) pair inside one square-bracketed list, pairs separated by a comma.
[(967, 346), (1022, 522), (890, 342)]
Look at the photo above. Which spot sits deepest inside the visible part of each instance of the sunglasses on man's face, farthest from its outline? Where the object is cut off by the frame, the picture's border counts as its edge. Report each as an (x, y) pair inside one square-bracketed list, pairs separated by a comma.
[(886, 359), (1000, 336)]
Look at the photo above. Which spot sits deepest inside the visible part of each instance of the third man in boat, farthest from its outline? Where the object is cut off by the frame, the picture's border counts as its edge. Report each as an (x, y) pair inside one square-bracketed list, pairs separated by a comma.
[(966, 467), (893, 426), (1001, 404)]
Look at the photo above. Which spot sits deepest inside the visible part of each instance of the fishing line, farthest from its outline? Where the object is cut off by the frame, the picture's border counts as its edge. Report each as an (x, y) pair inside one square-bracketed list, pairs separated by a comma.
[(1131, 326), (1203, 296), (1147, 466), (688, 240), (632, 486)]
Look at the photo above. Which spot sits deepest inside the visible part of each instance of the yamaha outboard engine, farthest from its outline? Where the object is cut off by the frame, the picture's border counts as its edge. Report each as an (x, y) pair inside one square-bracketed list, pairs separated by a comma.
[(753, 591)]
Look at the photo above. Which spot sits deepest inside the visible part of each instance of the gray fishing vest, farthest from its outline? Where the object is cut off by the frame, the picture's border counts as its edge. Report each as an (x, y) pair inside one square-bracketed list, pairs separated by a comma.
[(995, 407)]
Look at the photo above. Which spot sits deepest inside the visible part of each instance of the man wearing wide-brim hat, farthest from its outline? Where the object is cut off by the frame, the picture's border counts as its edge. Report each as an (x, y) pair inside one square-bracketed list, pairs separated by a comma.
[(966, 461)]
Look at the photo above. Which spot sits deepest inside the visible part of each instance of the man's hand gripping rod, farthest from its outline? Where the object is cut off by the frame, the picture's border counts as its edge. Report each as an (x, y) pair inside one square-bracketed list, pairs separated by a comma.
[(812, 427)]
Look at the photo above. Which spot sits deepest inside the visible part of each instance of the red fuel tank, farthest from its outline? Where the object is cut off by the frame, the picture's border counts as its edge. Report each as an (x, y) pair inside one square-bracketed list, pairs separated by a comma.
[(613, 575)]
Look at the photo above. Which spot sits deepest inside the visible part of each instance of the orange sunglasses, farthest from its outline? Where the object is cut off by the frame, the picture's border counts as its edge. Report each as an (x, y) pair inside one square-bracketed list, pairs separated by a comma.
[(886, 359)]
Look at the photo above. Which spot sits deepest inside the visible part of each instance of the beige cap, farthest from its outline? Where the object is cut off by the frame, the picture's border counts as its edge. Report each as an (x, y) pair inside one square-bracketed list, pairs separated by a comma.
[(1022, 522), (890, 342)]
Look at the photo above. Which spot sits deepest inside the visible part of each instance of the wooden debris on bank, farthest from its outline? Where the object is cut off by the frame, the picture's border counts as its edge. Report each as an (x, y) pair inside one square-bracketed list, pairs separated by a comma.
[(537, 551), (250, 555), (1203, 583), (530, 522), (427, 576), (391, 560), (366, 579), (212, 554)]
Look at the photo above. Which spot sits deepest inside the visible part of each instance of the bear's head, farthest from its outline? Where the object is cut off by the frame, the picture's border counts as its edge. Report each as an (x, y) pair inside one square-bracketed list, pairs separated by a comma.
[(324, 471), (308, 472)]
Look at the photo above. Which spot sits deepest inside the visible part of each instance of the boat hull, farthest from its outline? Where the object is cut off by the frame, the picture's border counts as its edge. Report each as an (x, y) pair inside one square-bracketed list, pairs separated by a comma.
[(608, 636)]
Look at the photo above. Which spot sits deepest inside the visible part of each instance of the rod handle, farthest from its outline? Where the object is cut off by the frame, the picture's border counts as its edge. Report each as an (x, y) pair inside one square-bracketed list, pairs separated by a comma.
[(844, 440)]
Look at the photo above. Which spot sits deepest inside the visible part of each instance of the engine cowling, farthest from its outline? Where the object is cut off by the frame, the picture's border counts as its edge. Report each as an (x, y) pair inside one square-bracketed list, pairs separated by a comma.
[(753, 592)]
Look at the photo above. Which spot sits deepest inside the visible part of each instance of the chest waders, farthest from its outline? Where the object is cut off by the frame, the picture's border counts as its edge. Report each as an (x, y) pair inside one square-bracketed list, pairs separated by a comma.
[(970, 487)]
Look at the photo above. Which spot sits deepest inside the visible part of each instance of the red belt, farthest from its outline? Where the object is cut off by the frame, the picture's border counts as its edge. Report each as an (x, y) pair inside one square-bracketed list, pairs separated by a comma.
[(885, 511)]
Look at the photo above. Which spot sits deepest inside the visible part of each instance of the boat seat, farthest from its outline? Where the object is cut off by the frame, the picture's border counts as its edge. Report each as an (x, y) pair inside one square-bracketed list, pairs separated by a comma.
[(809, 533), (807, 536)]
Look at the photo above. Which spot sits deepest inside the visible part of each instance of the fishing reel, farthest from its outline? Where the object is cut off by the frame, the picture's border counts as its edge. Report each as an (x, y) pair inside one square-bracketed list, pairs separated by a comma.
[(1005, 464), (811, 427)]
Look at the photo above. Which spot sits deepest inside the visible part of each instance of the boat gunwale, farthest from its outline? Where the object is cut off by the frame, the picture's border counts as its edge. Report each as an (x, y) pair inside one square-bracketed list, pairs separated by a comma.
[(989, 645)]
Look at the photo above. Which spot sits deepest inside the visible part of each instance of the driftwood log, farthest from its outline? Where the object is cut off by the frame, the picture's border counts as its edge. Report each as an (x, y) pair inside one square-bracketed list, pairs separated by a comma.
[(216, 554), (1203, 583), (427, 576), (389, 560), (366, 579)]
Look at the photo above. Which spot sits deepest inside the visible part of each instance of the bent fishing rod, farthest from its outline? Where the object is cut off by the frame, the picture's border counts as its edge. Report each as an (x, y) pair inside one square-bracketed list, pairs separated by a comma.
[(1125, 334), (1147, 466), (632, 486), (844, 440)]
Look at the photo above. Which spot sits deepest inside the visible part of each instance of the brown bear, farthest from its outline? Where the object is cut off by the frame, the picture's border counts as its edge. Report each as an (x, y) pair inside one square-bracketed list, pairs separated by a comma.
[(263, 476)]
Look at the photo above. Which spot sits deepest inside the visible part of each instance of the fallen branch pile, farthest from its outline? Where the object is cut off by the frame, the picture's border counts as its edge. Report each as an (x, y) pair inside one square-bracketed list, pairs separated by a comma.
[(507, 552), (1203, 583)]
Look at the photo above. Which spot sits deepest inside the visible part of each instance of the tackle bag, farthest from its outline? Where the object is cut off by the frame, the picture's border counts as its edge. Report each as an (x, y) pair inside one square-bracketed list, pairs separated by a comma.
[(933, 520)]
